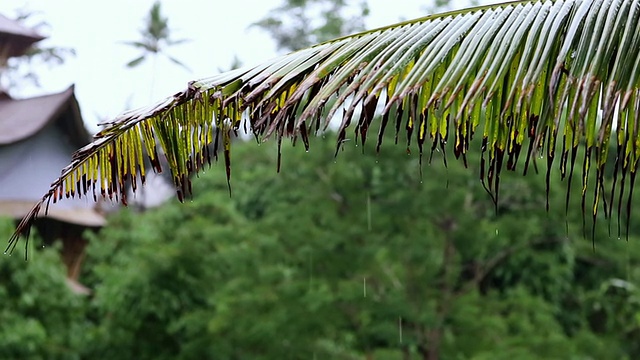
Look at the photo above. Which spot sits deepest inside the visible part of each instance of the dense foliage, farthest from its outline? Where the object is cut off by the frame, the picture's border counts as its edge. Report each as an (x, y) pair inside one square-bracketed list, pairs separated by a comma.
[(39, 318), (336, 258)]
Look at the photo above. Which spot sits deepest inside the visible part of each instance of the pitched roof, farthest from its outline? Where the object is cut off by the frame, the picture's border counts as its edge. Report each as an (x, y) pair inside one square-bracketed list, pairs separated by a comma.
[(25, 124), (23, 118), (16, 38)]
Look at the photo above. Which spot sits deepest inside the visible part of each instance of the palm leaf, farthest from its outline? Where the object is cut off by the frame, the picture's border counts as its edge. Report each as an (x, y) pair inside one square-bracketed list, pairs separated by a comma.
[(539, 75), (137, 61), (178, 62)]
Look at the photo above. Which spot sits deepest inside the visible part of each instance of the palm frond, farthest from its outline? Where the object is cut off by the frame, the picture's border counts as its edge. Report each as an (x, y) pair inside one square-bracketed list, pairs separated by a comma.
[(542, 75)]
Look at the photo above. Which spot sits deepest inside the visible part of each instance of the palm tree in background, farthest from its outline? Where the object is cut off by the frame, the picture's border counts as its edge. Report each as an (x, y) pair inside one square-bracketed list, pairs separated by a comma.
[(155, 39), (529, 79)]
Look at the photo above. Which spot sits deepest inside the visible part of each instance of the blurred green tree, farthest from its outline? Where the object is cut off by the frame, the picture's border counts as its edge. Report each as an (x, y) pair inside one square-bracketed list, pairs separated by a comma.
[(40, 318), (341, 258)]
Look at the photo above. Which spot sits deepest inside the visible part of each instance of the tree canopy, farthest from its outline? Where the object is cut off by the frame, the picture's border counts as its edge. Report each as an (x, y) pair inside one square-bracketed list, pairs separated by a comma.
[(354, 257)]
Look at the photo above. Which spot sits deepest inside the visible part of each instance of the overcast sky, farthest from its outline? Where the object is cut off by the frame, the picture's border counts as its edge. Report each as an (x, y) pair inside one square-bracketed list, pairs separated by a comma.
[(219, 30)]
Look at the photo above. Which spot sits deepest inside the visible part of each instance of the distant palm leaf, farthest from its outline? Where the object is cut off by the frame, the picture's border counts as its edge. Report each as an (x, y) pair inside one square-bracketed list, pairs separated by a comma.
[(137, 61), (523, 73)]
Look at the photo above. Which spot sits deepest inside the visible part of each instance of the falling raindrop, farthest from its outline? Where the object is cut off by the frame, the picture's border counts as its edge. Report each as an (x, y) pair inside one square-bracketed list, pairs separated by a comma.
[(400, 328), (368, 212), (496, 232), (310, 271), (364, 286)]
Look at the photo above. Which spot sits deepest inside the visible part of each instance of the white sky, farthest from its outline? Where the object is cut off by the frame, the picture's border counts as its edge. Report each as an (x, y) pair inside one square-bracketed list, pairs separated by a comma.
[(218, 30)]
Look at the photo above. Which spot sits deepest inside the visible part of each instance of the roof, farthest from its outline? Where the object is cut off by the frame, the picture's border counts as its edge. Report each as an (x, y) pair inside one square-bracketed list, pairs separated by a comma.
[(16, 38), (23, 118), (39, 134)]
